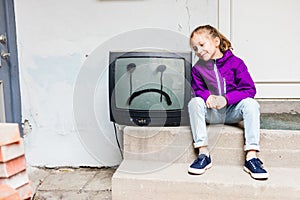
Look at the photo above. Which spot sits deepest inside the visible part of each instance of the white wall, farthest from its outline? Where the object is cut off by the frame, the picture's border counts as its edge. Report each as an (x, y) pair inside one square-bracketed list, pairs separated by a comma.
[(54, 39)]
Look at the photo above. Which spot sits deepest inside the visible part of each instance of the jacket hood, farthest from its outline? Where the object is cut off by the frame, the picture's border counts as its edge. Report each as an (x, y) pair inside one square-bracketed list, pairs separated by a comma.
[(225, 57)]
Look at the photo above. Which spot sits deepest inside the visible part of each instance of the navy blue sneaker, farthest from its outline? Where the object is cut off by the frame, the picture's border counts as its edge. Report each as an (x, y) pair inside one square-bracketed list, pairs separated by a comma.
[(202, 163), (255, 168)]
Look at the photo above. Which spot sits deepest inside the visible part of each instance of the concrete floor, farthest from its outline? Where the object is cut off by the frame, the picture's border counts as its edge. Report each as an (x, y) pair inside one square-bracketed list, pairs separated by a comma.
[(71, 183)]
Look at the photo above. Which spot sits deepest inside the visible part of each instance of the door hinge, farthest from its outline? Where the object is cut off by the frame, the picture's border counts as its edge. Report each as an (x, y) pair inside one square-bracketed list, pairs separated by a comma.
[(4, 55), (3, 39)]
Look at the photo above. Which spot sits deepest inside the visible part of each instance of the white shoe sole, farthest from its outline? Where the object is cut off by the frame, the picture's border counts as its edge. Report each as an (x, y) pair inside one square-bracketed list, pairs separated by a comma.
[(258, 176), (199, 171)]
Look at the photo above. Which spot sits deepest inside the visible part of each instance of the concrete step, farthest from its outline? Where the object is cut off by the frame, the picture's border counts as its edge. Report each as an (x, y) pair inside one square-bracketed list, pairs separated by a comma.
[(135, 180), (174, 145)]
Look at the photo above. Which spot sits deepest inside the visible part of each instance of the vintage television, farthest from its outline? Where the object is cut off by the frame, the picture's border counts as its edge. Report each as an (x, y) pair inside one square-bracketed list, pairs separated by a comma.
[(149, 88)]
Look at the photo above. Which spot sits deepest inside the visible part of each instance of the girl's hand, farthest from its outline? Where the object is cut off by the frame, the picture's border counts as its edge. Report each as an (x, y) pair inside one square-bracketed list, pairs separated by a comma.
[(221, 102), (216, 102), (211, 101)]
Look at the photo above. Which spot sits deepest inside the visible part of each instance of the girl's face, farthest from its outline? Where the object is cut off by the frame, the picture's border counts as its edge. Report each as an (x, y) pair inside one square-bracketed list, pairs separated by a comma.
[(205, 46)]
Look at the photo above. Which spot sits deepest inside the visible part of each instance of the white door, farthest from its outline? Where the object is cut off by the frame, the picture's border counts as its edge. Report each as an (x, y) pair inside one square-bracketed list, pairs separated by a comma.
[(266, 35)]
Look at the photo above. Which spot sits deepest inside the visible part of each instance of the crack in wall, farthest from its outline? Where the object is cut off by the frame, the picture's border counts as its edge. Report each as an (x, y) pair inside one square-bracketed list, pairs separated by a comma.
[(188, 14)]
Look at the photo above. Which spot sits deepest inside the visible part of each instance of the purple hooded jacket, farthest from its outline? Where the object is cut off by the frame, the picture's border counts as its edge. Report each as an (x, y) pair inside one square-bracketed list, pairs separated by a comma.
[(227, 76)]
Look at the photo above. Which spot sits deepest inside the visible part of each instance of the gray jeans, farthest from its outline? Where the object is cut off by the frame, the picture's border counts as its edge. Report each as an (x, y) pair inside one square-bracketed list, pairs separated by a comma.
[(247, 110)]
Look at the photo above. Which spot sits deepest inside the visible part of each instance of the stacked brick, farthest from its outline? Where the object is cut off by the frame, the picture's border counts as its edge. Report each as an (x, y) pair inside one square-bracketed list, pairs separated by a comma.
[(14, 181)]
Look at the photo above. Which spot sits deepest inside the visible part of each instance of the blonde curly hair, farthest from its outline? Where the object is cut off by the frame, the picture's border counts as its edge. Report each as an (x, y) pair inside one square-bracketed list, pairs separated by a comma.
[(225, 44)]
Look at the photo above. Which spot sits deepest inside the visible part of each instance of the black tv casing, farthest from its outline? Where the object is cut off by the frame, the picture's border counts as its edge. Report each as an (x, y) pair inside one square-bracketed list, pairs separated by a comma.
[(132, 117)]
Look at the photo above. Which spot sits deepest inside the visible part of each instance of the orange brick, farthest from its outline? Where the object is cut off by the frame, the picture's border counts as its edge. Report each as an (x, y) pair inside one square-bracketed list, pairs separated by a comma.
[(9, 133), (16, 180), (8, 193), (11, 151), (12, 167), (25, 191)]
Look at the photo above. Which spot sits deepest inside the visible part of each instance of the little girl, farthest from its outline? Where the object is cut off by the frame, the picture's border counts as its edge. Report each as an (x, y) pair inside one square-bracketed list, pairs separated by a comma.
[(224, 92)]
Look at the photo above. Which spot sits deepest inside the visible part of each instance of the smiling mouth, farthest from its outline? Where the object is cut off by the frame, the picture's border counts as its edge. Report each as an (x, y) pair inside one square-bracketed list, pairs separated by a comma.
[(202, 54)]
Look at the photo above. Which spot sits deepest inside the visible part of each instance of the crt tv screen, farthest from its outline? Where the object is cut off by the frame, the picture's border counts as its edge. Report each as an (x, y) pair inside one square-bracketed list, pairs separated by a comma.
[(149, 88)]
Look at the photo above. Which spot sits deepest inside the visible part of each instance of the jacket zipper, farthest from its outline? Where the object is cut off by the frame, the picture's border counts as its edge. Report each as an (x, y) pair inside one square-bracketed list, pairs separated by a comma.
[(224, 82), (218, 78)]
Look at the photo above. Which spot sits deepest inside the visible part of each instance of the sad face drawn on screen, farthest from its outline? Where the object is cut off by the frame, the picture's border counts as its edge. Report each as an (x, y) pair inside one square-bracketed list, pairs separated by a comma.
[(160, 69)]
